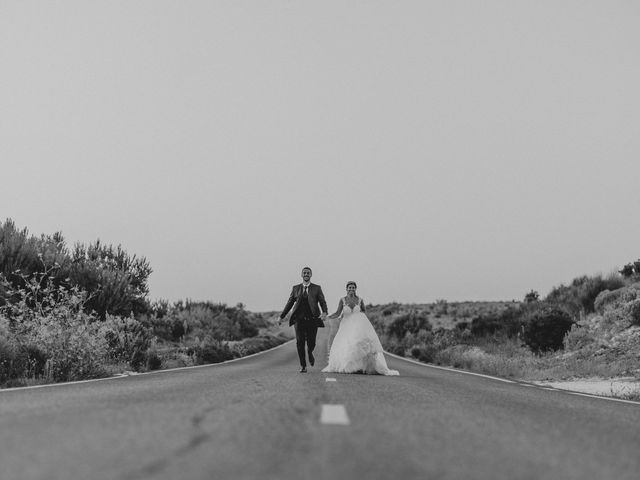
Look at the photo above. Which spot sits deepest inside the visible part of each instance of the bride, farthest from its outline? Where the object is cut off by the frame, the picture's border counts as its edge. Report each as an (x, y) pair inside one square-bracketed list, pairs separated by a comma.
[(356, 347)]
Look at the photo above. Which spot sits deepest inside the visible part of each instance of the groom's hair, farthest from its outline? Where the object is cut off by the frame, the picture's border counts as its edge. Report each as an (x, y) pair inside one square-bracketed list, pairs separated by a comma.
[(351, 282), (307, 268)]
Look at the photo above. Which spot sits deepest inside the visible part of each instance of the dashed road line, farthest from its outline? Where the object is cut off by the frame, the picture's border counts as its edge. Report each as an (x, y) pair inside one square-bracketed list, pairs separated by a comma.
[(334, 415), (328, 379)]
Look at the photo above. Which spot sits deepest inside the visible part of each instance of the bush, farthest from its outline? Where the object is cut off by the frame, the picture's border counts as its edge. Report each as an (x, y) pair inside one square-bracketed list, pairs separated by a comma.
[(127, 340), (607, 298), (26, 254), (507, 322), (578, 337), (424, 353), (115, 281), (408, 323), (154, 362), (633, 310), (256, 344), (545, 329), (204, 319), (391, 309), (581, 295), (211, 351), (49, 325), (8, 353)]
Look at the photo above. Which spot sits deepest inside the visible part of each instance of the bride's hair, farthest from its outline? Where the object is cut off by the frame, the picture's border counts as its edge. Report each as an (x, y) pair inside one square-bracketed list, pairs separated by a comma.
[(351, 282)]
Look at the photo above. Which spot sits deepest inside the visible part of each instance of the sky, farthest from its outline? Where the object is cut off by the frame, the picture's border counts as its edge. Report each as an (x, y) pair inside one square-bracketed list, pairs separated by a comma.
[(456, 150)]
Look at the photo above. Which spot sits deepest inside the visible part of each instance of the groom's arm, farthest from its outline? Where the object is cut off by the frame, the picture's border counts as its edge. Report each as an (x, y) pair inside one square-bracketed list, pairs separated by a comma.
[(322, 301), (290, 302)]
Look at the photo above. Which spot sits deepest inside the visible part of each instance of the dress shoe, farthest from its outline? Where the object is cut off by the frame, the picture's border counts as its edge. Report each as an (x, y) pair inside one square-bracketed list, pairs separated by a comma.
[(312, 360), (303, 370)]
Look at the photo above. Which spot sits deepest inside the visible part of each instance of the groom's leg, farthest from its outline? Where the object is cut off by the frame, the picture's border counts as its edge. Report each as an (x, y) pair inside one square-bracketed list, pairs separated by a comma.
[(300, 338), (312, 331)]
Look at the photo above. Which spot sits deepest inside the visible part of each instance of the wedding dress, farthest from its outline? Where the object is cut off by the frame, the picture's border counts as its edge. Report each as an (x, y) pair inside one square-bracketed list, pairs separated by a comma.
[(356, 346)]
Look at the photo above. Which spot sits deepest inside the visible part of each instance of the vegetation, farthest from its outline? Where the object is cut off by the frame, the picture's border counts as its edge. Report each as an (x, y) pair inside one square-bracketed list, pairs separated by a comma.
[(544, 330), (114, 281), (590, 327), (70, 314)]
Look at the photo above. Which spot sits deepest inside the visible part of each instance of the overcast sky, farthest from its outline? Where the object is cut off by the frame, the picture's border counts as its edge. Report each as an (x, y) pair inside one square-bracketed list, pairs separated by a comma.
[(462, 150)]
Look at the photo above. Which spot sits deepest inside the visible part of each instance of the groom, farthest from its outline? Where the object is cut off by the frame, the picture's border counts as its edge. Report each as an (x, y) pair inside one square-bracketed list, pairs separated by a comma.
[(306, 317)]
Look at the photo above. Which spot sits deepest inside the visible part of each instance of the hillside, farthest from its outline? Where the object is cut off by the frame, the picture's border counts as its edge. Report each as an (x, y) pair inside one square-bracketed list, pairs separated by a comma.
[(440, 314), (602, 340)]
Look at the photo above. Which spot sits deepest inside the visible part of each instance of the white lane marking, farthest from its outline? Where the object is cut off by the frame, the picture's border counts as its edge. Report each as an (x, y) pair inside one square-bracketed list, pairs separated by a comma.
[(329, 379), (334, 415), (548, 388), (155, 372), (604, 398), (612, 399), (449, 369)]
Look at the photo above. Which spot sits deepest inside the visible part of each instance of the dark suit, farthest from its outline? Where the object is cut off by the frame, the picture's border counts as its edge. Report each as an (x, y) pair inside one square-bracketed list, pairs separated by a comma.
[(305, 316)]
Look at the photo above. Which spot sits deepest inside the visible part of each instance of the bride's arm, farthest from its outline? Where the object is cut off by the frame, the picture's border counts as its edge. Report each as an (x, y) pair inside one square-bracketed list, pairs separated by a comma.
[(338, 311), (362, 305)]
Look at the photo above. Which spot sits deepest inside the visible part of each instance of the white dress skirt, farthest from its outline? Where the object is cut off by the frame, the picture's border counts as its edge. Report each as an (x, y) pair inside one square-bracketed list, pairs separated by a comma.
[(356, 347)]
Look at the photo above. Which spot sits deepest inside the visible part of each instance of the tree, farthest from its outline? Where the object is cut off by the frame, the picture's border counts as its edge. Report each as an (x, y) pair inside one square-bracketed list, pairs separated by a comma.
[(532, 296), (627, 270)]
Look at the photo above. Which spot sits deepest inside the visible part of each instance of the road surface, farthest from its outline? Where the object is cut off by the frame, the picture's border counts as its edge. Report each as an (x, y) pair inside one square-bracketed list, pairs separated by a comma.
[(259, 418)]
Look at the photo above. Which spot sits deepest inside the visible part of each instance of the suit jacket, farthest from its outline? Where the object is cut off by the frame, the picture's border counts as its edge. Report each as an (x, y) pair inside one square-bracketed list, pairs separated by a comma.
[(314, 296)]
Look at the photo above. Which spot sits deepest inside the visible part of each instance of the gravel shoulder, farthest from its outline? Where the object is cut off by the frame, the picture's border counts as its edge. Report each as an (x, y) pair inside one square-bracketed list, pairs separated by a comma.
[(611, 387)]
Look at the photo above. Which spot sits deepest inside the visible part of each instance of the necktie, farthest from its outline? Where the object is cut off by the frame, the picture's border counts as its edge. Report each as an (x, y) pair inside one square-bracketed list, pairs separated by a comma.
[(304, 294)]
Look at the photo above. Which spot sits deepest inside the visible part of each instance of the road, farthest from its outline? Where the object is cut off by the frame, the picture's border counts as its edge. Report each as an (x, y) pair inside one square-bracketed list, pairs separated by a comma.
[(259, 418)]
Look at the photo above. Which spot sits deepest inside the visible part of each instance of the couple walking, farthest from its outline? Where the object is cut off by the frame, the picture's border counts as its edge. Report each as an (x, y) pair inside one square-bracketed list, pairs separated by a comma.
[(355, 348)]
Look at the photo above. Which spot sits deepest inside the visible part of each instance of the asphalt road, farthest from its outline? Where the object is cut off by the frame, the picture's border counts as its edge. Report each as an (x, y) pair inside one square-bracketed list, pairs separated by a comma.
[(259, 418)]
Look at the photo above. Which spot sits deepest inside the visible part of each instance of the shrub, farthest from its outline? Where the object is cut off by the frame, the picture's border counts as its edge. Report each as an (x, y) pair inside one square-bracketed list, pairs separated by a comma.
[(49, 325), (580, 296), (73, 348), (390, 309), (255, 345), (506, 322), (545, 329), (211, 351), (607, 298), (116, 282), (127, 340), (154, 362), (205, 319), (8, 353), (408, 323), (578, 337), (424, 353), (633, 310), (26, 254), (462, 326)]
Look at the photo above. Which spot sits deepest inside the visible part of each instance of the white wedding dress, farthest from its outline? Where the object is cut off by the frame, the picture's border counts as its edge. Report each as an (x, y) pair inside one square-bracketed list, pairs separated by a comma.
[(356, 347)]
